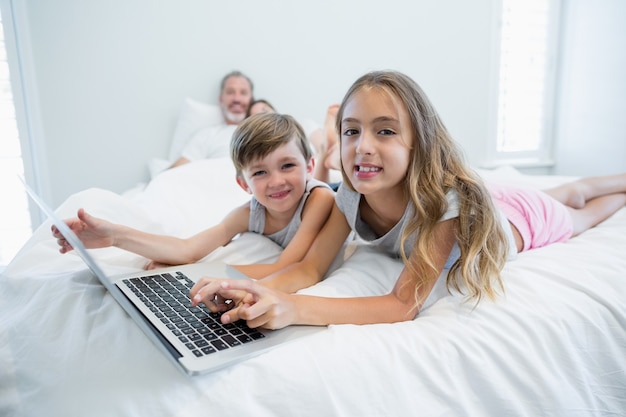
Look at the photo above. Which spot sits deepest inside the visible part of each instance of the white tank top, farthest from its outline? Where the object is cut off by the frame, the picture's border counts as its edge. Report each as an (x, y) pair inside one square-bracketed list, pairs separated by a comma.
[(256, 222)]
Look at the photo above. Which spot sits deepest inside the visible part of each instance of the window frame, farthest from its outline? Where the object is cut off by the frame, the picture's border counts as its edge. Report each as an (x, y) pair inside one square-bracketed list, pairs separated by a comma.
[(25, 100), (543, 155)]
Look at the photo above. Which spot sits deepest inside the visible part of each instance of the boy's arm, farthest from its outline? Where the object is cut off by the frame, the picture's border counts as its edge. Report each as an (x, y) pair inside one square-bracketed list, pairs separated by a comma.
[(174, 251), (98, 233), (315, 213), (318, 258)]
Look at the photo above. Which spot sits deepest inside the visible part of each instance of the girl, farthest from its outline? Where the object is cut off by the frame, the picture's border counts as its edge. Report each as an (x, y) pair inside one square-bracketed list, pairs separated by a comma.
[(407, 189), (274, 163)]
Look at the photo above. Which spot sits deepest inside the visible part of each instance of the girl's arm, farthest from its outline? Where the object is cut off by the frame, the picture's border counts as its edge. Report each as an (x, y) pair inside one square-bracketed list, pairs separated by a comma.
[(98, 233), (276, 309), (317, 260), (315, 213)]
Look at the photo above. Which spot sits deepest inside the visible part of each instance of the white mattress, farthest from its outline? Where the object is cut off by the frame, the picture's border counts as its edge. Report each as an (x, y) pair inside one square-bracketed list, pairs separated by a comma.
[(554, 345)]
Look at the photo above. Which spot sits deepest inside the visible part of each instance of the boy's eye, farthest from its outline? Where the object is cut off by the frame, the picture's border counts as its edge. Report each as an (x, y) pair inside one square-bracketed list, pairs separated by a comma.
[(289, 165), (257, 173)]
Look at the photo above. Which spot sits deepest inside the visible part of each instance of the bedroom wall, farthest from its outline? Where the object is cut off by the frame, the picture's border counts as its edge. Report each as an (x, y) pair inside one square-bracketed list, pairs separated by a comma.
[(111, 76), (106, 79), (591, 124)]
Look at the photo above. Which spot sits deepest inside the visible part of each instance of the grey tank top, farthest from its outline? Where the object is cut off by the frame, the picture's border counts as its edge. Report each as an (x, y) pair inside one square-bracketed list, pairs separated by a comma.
[(348, 202), (256, 223)]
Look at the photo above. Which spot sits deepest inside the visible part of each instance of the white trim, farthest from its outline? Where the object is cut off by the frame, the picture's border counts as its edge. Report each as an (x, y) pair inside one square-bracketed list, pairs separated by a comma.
[(492, 119), (520, 163), (548, 144), (25, 98)]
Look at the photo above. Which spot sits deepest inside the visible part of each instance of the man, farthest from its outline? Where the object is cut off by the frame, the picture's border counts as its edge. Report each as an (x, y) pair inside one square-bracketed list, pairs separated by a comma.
[(214, 141)]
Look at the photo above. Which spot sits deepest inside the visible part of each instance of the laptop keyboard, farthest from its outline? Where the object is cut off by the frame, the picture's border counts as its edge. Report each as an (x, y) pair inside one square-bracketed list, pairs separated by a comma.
[(200, 330)]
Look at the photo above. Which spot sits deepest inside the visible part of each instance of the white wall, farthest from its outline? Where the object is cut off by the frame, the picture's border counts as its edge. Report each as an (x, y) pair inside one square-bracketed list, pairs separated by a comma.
[(108, 77), (111, 75), (591, 128)]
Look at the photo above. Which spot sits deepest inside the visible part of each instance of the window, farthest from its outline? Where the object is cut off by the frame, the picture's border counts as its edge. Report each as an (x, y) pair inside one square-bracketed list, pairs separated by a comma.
[(526, 83), (15, 221)]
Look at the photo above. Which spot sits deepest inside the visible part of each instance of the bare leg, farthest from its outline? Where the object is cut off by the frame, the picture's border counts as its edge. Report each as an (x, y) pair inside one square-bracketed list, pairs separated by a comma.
[(577, 193), (596, 211), (591, 200), (318, 140), (332, 160), (326, 143)]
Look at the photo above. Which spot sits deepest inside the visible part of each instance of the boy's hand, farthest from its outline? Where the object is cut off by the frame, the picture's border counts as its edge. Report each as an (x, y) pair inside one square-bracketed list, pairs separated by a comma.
[(92, 231)]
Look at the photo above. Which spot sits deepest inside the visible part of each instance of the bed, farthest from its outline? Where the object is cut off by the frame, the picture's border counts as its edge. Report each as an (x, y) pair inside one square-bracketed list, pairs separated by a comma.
[(553, 345)]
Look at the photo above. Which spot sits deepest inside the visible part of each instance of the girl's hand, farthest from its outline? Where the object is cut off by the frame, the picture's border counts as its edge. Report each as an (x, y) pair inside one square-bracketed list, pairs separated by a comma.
[(262, 307), (92, 231), (208, 291)]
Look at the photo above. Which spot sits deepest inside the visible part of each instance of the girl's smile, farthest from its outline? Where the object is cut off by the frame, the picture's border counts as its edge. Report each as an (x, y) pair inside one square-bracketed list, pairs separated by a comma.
[(365, 171)]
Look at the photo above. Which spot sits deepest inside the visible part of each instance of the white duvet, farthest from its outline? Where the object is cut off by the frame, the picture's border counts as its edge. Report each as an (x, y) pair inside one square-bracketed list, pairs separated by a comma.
[(554, 345)]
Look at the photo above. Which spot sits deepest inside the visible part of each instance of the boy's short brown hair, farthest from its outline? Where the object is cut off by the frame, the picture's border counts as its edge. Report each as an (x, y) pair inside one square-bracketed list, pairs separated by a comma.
[(260, 134)]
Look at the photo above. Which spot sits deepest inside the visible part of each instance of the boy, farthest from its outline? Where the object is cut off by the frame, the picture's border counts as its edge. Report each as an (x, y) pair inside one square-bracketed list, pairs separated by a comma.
[(274, 163)]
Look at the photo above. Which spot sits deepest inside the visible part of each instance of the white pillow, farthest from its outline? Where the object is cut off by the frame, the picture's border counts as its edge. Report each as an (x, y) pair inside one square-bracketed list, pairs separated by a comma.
[(194, 115)]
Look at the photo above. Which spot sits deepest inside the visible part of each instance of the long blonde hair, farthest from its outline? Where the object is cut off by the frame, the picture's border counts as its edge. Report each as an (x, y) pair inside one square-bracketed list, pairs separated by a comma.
[(436, 166)]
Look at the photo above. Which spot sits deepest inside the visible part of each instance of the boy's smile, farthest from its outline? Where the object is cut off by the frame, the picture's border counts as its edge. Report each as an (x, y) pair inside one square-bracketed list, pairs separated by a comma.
[(278, 180), (279, 195)]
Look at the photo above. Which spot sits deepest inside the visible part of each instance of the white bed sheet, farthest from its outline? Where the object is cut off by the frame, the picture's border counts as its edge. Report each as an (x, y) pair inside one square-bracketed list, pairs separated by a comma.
[(554, 345)]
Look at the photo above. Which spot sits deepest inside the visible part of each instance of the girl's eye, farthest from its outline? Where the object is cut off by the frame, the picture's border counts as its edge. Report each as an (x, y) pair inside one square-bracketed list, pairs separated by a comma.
[(386, 132), (350, 132)]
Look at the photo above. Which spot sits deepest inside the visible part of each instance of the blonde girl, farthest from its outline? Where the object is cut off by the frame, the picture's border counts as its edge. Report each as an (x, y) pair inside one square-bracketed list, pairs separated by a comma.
[(408, 189)]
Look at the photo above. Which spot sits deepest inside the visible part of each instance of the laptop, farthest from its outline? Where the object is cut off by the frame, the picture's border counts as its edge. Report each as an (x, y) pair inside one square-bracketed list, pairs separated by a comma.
[(193, 338)]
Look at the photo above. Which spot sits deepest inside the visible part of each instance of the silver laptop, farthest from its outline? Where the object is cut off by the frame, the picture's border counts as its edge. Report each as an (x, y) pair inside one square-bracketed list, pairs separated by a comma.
[(193, 338)]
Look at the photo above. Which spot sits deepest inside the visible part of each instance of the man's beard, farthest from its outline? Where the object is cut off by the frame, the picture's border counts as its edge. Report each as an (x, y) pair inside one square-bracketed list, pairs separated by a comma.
[(234, 117)]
